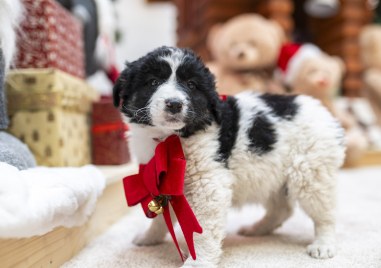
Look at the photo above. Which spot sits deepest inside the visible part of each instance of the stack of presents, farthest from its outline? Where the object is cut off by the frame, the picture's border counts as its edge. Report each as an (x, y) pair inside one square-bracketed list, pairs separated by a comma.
[(51, 106)]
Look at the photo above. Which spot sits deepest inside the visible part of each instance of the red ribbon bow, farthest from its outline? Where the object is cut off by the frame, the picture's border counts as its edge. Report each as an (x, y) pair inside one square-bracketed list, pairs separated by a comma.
[(163, 178)]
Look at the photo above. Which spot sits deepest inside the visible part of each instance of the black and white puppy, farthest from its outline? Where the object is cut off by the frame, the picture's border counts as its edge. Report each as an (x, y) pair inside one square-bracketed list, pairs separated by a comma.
[(269, 149)]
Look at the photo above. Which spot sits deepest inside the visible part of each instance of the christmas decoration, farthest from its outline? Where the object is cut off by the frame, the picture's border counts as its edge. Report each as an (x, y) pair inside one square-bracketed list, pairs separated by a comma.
[(305, 69), (109, 144), (49, 111), (291, 57), (86, 12), (160, 183), (100, 30), (322, 8), (50, 37)]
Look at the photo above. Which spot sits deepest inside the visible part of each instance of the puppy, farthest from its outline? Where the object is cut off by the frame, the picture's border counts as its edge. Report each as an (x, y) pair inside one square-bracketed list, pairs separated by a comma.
[(268, 149)]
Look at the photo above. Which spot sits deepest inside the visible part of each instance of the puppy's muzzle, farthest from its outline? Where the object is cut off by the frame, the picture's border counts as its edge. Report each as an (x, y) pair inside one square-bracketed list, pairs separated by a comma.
[(174, 106)]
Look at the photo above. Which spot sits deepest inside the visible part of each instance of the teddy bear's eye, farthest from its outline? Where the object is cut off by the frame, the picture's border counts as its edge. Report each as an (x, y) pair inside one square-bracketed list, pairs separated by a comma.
[(191, 85)]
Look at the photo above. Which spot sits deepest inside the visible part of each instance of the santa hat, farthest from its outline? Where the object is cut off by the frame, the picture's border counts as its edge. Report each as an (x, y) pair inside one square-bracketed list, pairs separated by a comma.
[(291, 57)]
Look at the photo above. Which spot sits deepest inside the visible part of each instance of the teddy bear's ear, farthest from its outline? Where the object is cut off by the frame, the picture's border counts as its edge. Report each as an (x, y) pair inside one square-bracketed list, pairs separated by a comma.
[(368, 43), (278, 32), (213, 37), (341, 64)]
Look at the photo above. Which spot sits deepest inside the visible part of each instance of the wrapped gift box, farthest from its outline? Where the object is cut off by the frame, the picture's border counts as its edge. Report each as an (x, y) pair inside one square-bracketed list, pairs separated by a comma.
[(109, 143), (50, 37), (49, 111)]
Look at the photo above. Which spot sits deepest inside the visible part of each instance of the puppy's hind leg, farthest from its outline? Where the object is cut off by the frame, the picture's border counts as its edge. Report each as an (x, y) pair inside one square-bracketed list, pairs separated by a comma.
[(279, 208), (318, 201)]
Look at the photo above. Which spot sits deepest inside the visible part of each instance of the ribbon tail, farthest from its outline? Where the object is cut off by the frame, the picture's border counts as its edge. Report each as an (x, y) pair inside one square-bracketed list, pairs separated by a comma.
[(168, 221), (187, 221)]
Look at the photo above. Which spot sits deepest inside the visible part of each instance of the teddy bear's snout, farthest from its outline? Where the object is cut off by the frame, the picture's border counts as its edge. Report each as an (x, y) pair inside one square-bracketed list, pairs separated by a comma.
[(241, 55)]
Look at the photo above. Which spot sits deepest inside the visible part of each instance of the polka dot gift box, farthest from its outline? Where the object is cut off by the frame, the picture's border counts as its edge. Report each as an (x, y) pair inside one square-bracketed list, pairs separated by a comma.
[(49, 110), (50, 37)]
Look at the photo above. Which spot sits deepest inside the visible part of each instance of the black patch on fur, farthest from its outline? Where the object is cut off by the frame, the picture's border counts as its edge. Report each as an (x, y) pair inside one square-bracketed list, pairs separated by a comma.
[(262, 135), (228, 128), (283, 106)]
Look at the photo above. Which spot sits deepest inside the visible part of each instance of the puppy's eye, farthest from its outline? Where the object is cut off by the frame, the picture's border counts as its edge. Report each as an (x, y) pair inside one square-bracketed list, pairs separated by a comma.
[(154, 82), (191, 85)]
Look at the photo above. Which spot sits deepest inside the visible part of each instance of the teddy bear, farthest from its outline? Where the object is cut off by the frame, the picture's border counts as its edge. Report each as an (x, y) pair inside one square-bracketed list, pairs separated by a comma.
[(370, 49), (305, 69), (245, 50)]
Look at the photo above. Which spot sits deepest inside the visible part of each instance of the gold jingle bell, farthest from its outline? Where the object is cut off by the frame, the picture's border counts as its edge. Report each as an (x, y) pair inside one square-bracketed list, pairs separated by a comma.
[(159, 211), (155, 207)]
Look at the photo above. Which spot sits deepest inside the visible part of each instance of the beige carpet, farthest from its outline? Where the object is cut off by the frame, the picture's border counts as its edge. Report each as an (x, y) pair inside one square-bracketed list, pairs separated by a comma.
[(358, 232)]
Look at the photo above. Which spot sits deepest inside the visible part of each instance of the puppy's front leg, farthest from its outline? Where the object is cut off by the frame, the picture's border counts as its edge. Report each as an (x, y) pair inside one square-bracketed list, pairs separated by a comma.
[(154, 235), (210, 203)]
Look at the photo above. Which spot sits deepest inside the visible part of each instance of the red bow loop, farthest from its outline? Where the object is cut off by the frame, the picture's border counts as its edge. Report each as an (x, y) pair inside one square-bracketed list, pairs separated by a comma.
[(163, 178)]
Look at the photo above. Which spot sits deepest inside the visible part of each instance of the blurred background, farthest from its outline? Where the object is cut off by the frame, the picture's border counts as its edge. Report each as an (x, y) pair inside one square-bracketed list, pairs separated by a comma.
[(59, 60), (343, 75), (329, 49)]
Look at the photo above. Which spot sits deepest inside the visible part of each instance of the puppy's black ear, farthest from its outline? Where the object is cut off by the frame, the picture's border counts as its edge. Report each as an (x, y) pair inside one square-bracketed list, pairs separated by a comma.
[(214, 99), (122, 83), (216, 108), (116, 91)]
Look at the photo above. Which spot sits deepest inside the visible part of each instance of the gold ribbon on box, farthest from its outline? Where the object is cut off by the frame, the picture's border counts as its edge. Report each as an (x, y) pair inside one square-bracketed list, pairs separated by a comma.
[(40, 89), (43, 101)]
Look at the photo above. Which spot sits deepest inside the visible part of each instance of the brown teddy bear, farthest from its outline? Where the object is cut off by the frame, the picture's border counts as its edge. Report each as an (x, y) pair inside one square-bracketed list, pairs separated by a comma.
[(305, 69), (245, 50), (370, 43)]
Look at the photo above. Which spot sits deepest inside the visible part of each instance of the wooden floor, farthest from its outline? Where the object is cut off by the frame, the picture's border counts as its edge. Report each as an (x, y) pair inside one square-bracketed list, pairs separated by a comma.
[(61, 244), (370, 158)]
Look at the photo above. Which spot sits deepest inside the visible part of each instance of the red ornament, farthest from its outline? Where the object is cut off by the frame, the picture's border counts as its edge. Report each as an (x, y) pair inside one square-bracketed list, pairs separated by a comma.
[(162, 180)]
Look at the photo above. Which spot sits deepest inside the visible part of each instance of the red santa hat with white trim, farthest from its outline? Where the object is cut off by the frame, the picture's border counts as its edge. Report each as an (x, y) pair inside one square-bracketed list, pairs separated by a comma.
[(291, 57)]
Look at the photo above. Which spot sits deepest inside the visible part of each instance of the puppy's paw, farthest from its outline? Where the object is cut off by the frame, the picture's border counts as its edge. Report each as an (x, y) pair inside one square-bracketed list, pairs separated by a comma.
[(320, 250), (146, 240), (190, 263), (254, 230)]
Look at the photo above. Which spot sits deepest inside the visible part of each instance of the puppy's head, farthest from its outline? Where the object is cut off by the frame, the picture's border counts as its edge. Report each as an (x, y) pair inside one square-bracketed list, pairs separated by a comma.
[(169, 88)]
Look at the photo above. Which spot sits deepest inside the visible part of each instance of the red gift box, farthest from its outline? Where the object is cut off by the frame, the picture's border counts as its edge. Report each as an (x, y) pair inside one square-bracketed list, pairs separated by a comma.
[(109, 143), (50, 37)]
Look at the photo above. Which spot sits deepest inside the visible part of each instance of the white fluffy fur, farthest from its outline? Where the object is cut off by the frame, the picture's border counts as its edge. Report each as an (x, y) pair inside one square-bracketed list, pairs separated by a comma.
[(301, 168), (10, 15), (157, 104)]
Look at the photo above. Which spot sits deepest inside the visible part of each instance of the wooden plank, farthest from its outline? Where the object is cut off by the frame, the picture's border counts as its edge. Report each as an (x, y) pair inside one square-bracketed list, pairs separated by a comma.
[(61, 244), (371, 158)]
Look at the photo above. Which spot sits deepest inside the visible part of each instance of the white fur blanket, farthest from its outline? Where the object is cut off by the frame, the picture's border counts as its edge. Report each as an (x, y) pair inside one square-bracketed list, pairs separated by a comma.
[(35, 201), (358, 235)]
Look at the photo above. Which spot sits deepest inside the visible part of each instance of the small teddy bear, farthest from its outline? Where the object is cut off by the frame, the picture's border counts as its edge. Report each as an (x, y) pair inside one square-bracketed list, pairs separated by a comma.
[(245, 50), (305, 69)]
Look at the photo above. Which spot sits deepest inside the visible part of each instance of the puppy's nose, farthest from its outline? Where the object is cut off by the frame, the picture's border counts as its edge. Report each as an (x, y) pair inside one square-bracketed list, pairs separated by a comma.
[(173, 106)]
